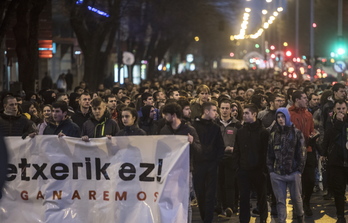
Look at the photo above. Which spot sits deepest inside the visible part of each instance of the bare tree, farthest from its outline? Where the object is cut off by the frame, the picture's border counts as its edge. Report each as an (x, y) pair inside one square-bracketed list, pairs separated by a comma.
[(26, 36), (95, 23), (7, 12)]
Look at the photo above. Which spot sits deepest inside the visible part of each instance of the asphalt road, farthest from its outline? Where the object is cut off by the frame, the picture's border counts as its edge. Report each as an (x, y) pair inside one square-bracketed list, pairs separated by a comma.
[(324, 211)]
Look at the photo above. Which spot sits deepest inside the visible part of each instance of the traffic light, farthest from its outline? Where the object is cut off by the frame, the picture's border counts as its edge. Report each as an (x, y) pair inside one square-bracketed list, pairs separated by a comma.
[(288, 53), (340, 46)]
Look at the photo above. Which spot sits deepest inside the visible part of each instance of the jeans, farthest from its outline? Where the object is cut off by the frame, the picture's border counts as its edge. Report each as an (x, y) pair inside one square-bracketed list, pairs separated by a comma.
[(189, 215), (280, 184)]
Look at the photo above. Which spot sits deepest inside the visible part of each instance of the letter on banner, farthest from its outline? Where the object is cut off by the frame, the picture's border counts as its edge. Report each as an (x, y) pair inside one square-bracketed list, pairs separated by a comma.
[(125, 179)]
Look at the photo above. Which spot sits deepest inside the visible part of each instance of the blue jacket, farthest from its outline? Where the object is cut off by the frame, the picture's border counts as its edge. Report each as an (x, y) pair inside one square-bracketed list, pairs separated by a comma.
[(286, 148), (68, 127)]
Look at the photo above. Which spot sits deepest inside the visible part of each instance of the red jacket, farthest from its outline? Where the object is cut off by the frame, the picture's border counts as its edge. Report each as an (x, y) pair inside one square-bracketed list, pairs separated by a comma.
[(303, 120)]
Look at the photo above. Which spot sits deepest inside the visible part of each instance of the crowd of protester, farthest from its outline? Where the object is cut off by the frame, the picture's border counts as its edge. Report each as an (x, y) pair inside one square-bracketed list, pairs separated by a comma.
[(250, 133)]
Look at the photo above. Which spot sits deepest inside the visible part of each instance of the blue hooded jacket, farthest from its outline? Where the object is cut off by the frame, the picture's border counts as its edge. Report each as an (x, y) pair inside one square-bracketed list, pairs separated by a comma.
[(286, 148), (285, 111)]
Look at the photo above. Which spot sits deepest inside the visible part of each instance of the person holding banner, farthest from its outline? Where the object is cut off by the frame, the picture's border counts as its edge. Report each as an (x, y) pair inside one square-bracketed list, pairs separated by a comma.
[(63, 125), (175, 126), (100, 124), (3, 162), (205, 166), (14, 124), (129, 120)]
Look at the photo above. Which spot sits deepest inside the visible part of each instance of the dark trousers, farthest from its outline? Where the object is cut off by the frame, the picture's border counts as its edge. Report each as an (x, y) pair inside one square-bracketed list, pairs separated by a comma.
[(204, 182), (227, 190), (337, 185), (252, 179), (308, 178)]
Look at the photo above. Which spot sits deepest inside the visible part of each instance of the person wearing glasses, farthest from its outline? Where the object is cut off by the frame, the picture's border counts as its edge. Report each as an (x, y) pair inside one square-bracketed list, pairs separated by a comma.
[(267, 116)]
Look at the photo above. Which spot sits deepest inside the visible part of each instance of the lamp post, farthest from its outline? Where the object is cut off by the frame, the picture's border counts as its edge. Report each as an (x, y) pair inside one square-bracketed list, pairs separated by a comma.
[(297, 16), (263, 45), (312, 59)]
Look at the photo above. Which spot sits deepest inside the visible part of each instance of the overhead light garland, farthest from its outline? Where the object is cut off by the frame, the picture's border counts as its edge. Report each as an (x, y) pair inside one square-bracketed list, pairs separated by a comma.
[(259, 32)]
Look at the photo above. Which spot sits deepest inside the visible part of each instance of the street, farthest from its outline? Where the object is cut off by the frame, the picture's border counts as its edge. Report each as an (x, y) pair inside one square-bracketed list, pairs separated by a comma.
[(323, 212)]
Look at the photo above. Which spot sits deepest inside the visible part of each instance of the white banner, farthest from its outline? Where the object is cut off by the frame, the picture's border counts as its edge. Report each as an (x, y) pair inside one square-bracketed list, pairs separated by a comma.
[(125, 179)]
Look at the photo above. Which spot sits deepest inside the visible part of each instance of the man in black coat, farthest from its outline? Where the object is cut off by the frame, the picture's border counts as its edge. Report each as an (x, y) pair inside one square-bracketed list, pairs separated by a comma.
[(335, 146), (175, 126), (205, 165), (63, 125), (83, 113), (12, 123), (251, 151)]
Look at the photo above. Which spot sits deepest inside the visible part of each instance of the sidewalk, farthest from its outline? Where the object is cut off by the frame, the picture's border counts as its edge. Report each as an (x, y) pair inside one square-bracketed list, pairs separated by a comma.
[(324, 211)]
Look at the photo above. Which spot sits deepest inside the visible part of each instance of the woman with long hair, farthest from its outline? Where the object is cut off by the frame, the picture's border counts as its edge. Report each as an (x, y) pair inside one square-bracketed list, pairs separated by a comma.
[(237, 111), (129, 120), (47, 118)]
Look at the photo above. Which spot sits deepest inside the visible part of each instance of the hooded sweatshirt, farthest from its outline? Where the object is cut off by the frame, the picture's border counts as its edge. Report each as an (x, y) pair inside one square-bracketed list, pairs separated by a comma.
[(286, 150)]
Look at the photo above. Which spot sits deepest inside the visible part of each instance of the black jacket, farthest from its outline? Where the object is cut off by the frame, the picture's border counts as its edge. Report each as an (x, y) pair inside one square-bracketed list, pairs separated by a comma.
[(66, 126), (97, 129), (334, 144), (79, 118), (211, 141), (185, 129), (133, 130), (16, 125), (251, 146), (150, 126)]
